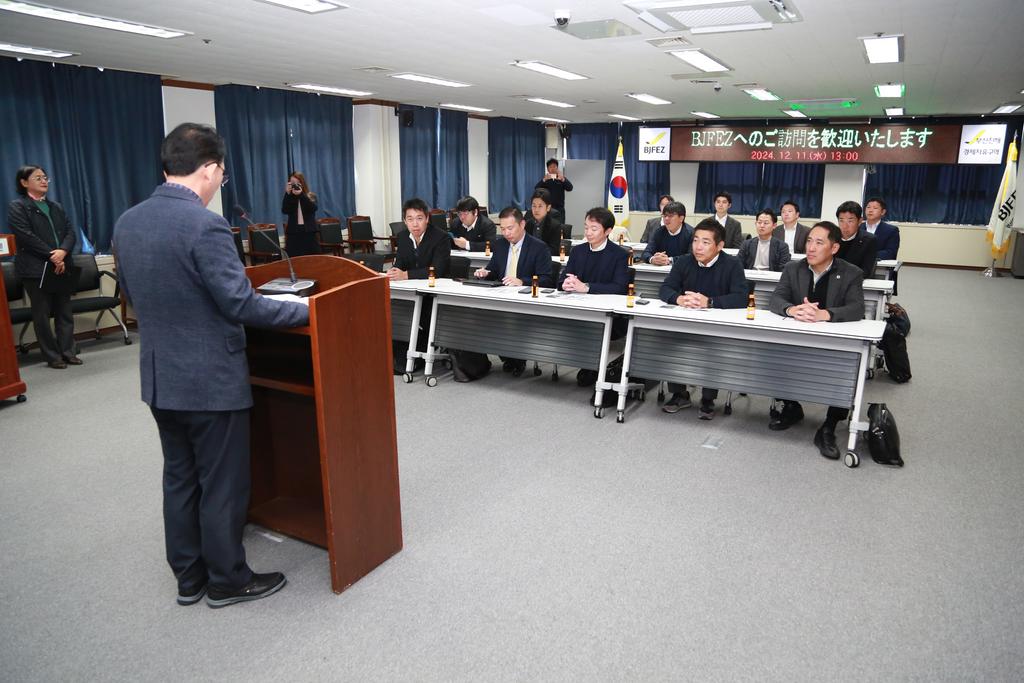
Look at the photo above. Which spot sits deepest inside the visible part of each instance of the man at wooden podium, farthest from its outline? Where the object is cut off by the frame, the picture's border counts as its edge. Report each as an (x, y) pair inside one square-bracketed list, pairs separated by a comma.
[(178, 267)]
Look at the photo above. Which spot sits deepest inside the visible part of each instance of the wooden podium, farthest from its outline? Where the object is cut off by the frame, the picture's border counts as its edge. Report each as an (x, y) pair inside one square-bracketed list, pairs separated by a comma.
[(10, 377), (324, 445)]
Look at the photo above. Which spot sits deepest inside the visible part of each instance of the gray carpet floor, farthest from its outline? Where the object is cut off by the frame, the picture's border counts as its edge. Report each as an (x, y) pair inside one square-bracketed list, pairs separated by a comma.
[(543, 544)]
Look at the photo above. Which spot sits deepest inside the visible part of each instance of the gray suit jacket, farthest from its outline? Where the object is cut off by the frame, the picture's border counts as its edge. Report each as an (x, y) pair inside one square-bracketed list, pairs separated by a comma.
[(799, 242), (652, 225), (733, 233), (845, 300), (178, 266), (778, 254)]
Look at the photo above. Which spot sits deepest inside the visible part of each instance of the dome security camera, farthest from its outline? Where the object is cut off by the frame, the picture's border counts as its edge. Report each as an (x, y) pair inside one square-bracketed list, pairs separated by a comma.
[(562, 17)]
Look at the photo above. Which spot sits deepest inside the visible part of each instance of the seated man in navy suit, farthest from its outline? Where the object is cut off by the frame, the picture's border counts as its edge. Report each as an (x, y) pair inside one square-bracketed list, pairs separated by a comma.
[(671, 239), (515, 260), (707, 278), (597, 266), (887, 235), (765, 252)]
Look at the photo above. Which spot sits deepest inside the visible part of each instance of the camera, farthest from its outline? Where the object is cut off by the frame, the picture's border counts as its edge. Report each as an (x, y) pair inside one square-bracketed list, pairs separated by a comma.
[(717, 87), (294, 186), (562, 17)]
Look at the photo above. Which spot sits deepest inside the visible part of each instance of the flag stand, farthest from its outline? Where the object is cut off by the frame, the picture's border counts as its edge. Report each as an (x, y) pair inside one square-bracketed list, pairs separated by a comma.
[(991, 271)]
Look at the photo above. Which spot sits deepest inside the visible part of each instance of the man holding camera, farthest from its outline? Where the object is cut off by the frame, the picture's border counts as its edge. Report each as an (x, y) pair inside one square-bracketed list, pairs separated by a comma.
[(557, 185)]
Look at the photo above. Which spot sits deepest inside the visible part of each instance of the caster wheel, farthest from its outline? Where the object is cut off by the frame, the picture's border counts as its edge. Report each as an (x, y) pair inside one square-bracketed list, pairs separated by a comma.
[(21, 398), (447, 365), (407, 378), (431, 381), (537, 372), (620, 418), (554, 376), (852, 459), (727, 410), (643, 396), (879, 362), (871, 373), (127, 341), (22, 349), (518, 372), (598, 413), (661, 397)]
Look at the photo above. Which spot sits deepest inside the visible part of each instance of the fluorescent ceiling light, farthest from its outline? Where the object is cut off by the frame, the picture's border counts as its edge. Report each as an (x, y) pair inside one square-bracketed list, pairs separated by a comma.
[(310, 6), (890, 90), (328, 89), (623, 117), (649, 99), (705, 115), (432, 80), (894, 111), (548, 118), (35, 51), (89, 20), (794, 113), (551, 103), (762, 94), (699, 60), (654, 21), (1006, 109), (464, 107), (883, 49), (728, 28), (548, 70)]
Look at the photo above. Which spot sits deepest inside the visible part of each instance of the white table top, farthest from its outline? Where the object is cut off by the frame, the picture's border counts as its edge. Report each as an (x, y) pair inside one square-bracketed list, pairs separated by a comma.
[(448, 287)]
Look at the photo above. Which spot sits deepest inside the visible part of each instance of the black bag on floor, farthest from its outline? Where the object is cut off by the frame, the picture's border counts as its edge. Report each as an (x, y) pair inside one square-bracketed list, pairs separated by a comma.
[(883, 436), (469, 366), (613, 374), (894, 343)]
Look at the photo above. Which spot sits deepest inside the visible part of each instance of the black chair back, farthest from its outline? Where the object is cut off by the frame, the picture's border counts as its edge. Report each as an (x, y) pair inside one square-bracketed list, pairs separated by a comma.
[(567, 245), (12, 283), (262, 241), (397, 228), (330, 232), (567, 231), (237, 234), (360, 230), (458, 267), (438, 221), (374, 262), (556, 270), (88, 274)]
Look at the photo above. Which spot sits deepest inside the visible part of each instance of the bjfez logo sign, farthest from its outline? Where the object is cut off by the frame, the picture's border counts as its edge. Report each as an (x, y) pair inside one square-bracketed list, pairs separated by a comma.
[(655, 144)]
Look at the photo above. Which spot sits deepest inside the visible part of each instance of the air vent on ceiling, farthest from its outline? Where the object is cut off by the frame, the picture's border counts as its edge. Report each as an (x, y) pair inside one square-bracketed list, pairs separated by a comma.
[(670, 43), (714, 16), (596, 30), (373, 69)]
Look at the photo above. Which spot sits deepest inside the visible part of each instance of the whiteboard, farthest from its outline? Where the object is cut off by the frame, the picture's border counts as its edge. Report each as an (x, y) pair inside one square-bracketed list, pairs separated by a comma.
[(588, 190)]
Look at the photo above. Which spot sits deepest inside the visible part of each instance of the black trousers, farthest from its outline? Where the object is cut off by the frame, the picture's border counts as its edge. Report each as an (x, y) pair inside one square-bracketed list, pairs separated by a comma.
[(206, 495), (57, 306), (303, 243), (833, 415)]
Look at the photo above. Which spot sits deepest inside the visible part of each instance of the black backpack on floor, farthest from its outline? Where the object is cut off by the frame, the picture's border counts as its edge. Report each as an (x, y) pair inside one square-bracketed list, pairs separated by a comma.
[(894, 343), (469, 366), (883, 436)]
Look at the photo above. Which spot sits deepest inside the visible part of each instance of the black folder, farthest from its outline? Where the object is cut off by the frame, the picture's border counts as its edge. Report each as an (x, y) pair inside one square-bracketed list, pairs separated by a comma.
[(66, 283)]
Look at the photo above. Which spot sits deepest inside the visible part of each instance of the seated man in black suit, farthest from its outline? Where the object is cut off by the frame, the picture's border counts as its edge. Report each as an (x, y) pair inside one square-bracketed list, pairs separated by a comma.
[(424, 246), (515, 260), (765, 252), (707, 278), (732, 227), (671, 239), (597, 266), (887, 235), (824, 289), (472, 229), (543, 224), (856, 247), (792, 231), (655, 223)]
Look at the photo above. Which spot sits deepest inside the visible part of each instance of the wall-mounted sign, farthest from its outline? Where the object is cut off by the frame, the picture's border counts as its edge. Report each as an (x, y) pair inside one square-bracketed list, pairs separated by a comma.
[(886, 144), (655, 144), (982, 144)]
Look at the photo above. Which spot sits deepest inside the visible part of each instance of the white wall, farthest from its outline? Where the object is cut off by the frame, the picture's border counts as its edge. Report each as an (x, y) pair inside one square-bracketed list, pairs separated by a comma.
[(183, 105), (682, 183), (478, 173), (378, 166), (843, 182)]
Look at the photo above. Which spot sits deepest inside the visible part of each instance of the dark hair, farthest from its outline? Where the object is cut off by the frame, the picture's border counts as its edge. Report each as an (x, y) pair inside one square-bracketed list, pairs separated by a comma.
[(603, 216), (722, 193), (835, 235), (511, 211), (552, 160), (416, 204), (669, 197), (796, 207), (770, 213), (879, 201), (850, 207), (714, 226), (467, 203), (541, 194), (189, 147), (23, 174), (674, 207)]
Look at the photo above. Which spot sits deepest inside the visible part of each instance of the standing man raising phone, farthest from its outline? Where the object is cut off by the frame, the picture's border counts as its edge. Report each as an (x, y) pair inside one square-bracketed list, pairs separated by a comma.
[(556, 184)]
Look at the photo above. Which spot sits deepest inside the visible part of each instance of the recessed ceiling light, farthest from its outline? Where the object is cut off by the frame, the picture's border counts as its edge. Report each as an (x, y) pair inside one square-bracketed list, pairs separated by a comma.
[(699, 60), (464, 107), (762, 94), (649, 99), (550, 103), (432, 80), (1006, 109), (310, 6), (890, 90), (551, 120), (35, 51), (894, 111), (548, 70), (89, 20), (624, 117), (329, 89), (794, 113), (883, 49), (654, 21), (728, 28), (705, 115)]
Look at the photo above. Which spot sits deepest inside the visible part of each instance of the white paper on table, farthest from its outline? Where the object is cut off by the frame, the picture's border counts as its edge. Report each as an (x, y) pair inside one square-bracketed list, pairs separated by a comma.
[(288, 297)]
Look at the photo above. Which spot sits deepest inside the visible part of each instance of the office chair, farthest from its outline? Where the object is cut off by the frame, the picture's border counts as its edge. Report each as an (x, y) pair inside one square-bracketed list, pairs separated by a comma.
[(236, 233), (360, 234), (330, 236), (458, 267), (260, 249), (89, 281), (20, 315)]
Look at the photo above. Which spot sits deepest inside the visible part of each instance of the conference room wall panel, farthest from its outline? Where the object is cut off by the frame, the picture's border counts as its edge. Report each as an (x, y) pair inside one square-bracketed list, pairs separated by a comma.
[(182, 105), (478, 177), (378, 182)]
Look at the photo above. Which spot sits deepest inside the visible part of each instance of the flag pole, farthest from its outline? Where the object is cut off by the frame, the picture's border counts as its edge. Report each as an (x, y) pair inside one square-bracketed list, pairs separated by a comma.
[(991, 271)]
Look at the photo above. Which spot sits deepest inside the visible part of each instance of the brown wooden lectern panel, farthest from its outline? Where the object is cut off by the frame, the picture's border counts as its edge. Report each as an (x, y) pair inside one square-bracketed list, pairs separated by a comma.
[(10, 377), (324, 441)]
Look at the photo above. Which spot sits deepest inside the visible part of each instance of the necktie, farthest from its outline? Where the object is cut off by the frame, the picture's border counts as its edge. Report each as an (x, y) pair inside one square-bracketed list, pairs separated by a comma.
[(515, 261)]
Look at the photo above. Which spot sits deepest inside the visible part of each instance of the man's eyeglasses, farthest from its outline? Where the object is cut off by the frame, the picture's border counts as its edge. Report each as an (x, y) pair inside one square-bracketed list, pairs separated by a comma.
[(224, 179)]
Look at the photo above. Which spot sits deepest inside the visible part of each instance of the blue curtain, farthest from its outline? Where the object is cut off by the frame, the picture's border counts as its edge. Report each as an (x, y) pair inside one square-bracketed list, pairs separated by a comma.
[(946, 193), (270, 133), (515, 161), (417, 151), (452, 158), (801, 183), (647, 180), (741, 179), (97, 134)]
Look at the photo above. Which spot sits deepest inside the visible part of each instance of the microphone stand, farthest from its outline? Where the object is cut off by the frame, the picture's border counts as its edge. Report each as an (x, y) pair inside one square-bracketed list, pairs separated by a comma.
[(289, 285)]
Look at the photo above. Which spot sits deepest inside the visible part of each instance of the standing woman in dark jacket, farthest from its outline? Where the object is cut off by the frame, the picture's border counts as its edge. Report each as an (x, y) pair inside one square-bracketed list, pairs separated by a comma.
[(300, 206), (44, 235)]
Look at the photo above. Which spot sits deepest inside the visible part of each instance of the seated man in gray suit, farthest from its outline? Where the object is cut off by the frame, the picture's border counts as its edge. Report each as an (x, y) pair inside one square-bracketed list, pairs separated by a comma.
[(654, 223), (765, 252), (824, 289), (733, 230), (178, 267), (792, 232)]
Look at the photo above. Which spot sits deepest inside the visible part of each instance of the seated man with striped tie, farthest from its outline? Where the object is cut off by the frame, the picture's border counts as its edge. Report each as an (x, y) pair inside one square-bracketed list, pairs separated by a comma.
[(515, 260)]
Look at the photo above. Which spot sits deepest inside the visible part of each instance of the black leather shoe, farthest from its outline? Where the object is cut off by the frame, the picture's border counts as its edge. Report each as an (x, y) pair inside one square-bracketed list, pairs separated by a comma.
[(517, 371), (73, 360), (57, 364), (259, 586), (825, 440), (190, 596), (508, 366), (791, 413)]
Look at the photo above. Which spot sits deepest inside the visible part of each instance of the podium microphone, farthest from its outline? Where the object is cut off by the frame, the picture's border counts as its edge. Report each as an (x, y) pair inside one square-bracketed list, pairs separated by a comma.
[(281, 285)]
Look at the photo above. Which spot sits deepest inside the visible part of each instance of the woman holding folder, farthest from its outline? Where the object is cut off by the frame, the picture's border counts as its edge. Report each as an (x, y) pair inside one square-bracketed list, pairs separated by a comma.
[(45, 240)]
